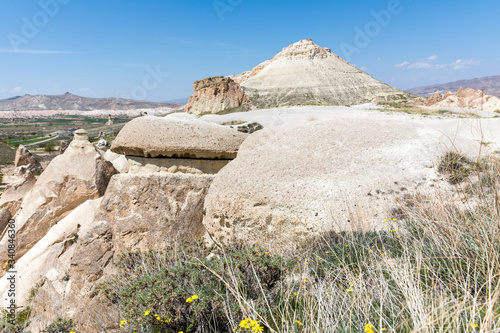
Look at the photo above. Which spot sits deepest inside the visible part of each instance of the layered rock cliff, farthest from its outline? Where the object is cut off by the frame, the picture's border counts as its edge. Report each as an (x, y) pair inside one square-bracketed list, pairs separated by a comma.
[(215, 94)]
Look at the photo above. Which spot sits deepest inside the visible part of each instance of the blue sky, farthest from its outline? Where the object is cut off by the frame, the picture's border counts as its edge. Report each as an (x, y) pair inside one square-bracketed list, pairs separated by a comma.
[(156, 49)]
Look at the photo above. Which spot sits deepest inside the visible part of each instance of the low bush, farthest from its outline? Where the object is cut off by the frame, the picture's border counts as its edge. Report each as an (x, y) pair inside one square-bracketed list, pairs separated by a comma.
[(61, 326), (50, 147), (186, 288)]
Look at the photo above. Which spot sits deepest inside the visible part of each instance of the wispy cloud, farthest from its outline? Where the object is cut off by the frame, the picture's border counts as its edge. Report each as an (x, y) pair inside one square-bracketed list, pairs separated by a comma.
[(18, 90), (429, 63), (465, 63), (35, 51)]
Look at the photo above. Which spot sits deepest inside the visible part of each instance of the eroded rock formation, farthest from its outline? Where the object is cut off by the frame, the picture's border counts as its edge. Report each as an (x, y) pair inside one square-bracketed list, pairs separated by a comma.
[(70, 179), (290, 184), (26, 162), (177, 136), (214, 94), (137, 212), (302, 73), (467, 98)]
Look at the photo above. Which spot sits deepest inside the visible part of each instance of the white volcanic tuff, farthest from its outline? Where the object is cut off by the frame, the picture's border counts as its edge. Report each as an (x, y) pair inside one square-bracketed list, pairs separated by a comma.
[(81, 173), (177, 136), (307, 73), (290, 183)]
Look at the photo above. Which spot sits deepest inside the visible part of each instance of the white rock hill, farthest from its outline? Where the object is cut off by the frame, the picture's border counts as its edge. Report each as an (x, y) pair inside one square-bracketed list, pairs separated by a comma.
[(305, 73)]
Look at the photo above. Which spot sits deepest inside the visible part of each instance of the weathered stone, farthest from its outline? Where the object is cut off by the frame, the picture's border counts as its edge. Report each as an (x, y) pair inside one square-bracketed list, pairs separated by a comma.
[(25, 158), (291, 183), (62, 147), (143, 165), (5, 216), (109, 122), (119, 161), (436, 98), (16, 192), (466, 98), (137, 212), (302, 73), (177, 136), (70, 179), (214, 94)]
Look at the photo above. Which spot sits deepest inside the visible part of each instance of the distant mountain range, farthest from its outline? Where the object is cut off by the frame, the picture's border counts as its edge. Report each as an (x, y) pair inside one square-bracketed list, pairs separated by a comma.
[(490, 84), (73, 102)]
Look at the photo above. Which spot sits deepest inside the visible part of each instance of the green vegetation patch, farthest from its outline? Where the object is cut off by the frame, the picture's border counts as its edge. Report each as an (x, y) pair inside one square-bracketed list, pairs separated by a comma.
[(186, 288), (7, 154)]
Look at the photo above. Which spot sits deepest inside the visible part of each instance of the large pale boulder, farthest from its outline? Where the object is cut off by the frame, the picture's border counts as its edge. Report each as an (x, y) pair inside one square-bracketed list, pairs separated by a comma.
[(291, 183), (177, 136), (137, 212), (70, 179)]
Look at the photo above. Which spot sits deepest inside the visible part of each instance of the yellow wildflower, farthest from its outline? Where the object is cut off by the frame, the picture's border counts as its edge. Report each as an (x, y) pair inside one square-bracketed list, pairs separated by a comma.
[(168, 320), (267, 252), (254, 322), (194, 297), (298, 323), (349, 290), (245, 323), (122, 322), (327, 252), (258, 328), (369, 328), (383, 328), (351, 283), (189, 300), (346, 245), (305, 281), (146, 313), (473, 324), (294, 294)]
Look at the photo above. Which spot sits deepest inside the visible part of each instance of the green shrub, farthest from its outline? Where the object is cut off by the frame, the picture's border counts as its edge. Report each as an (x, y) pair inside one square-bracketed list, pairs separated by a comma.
[(61, 326), (21, 322), (456, 165), (49, 147), (155, 290)]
